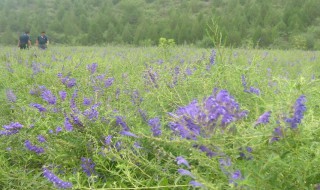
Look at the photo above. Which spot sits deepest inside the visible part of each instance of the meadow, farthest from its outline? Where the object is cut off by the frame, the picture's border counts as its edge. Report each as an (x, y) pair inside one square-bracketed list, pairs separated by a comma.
[(120, 117)]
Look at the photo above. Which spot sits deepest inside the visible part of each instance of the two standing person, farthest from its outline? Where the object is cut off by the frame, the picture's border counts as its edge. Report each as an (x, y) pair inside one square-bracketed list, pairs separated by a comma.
[(24, 42)]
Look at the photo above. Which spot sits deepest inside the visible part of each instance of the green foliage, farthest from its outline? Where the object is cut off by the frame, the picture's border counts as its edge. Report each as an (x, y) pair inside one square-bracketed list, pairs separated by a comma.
[(270, 23), (147, 80)]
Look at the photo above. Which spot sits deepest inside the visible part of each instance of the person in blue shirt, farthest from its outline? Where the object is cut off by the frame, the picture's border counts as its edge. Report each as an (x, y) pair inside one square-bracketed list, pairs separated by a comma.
[(24, 41), (42, 41)]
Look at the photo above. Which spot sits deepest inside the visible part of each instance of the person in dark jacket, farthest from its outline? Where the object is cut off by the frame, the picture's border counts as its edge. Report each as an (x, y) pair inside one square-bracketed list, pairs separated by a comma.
[(24, 41), (42, 41)]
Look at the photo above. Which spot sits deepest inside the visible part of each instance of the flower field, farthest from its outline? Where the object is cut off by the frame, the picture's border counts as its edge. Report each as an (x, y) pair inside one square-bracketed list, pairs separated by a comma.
[(159, 118)]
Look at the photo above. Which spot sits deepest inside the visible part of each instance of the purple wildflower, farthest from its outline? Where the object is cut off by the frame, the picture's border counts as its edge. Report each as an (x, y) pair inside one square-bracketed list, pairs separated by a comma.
[(155, 124), (86, 101), (108, 82), (63, 95), (39, 107), (88, 166), (212, 57), (117, 93), (137, 145), (180, 160), (195, 183), (48, 96), (11, 96), (33, 148), (11, 129), (277, 134), (254, 90), (244, 82), (55, 180), (67, 124), (76, 120), (107, 140), (127, 133), (73, 105), (118, 145), (92, 113), (264, 118), (208, 152), (92, 68), (13, 126), (143, 114), (188, 71), (58, 130), (184, 172), (41, 139), (299, 109), (71, 83), (122, 123), (236, 175)]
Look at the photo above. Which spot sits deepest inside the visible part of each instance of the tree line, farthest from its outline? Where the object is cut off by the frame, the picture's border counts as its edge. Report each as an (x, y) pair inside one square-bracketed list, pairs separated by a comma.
[(243, 23)]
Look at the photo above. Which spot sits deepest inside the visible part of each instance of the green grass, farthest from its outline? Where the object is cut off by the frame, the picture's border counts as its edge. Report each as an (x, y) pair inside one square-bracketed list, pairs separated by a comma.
[(157, 83)]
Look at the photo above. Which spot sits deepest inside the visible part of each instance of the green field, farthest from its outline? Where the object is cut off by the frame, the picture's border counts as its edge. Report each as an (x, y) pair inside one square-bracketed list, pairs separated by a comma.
[(121, 117)]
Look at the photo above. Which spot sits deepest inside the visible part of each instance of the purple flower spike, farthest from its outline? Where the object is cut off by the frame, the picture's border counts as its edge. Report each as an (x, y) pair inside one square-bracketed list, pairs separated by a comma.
[(299, 109), (11, 96), (92, 68), (184, 172), (58, 130), (67, 124), (155, 124), (108, 82), (122, 123), (39, 107), (264, 118), (86, 101), (180, 160), (48, 97), (195, 183), (236, 175), (129, 134), (33, 148), (88, 166), (41, 139), (55, 180), (107, 140), (13, 126), (63, 95)]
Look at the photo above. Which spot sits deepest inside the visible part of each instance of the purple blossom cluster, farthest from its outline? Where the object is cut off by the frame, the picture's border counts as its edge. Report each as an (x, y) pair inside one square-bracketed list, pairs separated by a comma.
[(39, 107), (33, 148), (183, 172), (125, 129), (155, 126), (55, 179), (11, 129), (246, 153), (299, 109), (11, 97), (87, 166), (92, 113), (92, 68), (68, 82), (203, 119), (227, 168), (277, 134), (212, 58), (264, 118), (48, 96), (252, 90)]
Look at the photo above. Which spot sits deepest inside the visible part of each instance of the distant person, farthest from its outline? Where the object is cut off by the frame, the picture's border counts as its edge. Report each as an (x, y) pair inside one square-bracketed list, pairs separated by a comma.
[(42, 41), (24, 41)]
